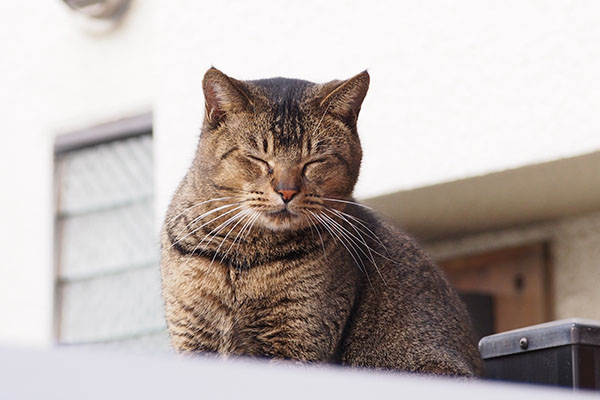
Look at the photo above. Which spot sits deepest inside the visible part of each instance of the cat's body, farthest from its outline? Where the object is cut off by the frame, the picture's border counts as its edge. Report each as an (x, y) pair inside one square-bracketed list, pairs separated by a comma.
[(265, 253)]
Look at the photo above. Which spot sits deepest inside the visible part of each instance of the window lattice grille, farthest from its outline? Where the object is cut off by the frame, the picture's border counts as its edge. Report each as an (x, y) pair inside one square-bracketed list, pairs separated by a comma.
[(108, 288)]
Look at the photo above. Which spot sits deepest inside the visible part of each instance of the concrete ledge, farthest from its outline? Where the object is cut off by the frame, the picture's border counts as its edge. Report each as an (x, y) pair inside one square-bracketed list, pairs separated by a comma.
[(72, 374), (498, 200)]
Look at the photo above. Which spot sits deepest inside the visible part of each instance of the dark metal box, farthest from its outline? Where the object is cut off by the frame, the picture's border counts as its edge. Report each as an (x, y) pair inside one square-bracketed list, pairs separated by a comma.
[(562, 353)]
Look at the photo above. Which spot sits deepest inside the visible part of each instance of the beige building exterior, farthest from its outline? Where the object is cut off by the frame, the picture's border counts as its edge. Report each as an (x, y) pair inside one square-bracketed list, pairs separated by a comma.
[(553, 203)]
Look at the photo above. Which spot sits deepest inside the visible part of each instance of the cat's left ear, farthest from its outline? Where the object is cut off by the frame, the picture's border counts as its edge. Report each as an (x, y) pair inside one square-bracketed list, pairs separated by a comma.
[(345, 98)]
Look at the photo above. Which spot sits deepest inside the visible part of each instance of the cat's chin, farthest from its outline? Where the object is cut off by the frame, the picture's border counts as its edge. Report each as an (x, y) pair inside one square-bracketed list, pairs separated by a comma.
[(283, 220)]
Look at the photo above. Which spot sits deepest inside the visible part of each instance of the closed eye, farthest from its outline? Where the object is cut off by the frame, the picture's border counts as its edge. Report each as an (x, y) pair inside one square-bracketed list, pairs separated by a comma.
[(313, 162), (261, 161)]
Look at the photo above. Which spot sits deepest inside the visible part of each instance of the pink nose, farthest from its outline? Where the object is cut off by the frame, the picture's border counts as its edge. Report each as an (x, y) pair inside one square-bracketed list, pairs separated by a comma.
[(287, 194)]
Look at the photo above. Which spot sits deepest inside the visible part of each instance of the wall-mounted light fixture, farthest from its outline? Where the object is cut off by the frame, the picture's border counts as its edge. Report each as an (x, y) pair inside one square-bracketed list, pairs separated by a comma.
[(98, 15), (101, 9)]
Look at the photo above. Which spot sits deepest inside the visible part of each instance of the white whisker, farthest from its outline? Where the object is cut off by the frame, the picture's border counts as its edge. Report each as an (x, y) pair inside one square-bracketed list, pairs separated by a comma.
[(206, 223), (194, 206), (319, 233), (212, 234), (370, 248), (207, 213), (350, 236), (240, 219), (369, 232), (347, 202), (355, 256), (238, 234), (370, 255), (255, 218)]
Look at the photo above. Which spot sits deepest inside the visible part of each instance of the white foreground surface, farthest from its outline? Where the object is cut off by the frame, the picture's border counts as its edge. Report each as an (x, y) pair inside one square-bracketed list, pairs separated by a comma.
[(75, 374), (459, 89)]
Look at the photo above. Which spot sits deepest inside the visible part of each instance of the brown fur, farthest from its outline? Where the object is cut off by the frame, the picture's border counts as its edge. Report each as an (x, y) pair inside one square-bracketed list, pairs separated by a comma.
[(316, 279)]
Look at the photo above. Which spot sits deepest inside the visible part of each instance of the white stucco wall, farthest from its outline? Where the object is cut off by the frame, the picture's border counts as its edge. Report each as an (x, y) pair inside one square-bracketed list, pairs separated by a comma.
[(459, 88), (54, 77)]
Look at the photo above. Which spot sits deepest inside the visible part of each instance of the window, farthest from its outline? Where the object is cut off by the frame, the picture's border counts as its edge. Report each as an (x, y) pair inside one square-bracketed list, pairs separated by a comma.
[(108, 282)]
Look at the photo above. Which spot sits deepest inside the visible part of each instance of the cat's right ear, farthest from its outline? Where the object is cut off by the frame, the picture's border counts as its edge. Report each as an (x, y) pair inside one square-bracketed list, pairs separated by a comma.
[(223, 95)]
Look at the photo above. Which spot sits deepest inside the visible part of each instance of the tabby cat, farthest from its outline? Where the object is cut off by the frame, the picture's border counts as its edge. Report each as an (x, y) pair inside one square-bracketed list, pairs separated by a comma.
[(266, 254)]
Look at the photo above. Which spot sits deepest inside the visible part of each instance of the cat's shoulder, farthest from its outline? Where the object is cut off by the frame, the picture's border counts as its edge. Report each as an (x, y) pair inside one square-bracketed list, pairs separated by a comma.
[(383, 228)]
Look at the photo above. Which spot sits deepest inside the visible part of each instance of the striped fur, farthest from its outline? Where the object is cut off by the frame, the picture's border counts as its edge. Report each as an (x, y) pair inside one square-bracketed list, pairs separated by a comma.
[(318, 279)]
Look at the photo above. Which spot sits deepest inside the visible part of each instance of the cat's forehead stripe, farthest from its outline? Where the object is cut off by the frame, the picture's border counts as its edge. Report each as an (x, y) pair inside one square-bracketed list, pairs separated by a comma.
[(286, 95), (288, 126)]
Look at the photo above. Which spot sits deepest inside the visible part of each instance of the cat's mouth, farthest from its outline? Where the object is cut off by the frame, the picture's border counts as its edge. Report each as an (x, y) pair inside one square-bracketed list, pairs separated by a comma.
[(283, 219), (283, 213)]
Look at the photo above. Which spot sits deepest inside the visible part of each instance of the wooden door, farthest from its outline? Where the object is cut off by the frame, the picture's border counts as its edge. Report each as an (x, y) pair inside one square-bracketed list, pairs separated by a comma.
[(517, 280)]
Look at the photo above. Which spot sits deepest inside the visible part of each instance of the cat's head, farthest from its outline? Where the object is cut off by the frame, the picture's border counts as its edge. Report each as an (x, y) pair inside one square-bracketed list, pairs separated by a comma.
[(286, 149)]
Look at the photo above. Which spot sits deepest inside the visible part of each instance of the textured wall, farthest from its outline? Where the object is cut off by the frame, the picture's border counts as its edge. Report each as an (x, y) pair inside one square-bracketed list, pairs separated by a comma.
[(576, 253), (575, 250)]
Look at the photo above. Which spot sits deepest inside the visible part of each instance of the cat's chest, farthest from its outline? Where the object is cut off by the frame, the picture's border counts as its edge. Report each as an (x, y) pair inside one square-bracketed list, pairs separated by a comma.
[(238, 307)]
